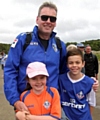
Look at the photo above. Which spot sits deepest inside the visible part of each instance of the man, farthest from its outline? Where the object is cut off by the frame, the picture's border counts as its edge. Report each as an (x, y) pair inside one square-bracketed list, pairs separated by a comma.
[(91, 63), (81, 47), (3, 59), (42, 48)]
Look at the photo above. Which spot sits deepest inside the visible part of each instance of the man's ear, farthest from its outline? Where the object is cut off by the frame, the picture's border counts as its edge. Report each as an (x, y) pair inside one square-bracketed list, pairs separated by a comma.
[(37, 19)]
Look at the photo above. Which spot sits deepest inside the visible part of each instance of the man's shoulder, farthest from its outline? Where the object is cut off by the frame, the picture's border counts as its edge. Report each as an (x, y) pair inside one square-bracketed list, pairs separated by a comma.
[(21, 37), (59, 41), (94, 56)]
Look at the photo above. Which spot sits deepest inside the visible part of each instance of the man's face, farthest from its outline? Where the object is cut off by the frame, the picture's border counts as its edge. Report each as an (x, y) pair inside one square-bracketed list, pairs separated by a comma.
[(88, 50), (81, 48), (46, 25)]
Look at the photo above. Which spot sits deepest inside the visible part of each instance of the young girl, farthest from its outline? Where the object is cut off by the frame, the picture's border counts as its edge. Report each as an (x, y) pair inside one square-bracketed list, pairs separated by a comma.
[(77, 96), (42, 102)]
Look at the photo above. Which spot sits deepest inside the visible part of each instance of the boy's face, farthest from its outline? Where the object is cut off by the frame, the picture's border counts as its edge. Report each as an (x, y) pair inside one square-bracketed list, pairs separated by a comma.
[(75, 64), (38, 83)]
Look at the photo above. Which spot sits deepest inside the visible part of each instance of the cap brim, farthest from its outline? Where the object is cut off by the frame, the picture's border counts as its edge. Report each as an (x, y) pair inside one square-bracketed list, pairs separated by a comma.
[(81, 46), (33, 74)]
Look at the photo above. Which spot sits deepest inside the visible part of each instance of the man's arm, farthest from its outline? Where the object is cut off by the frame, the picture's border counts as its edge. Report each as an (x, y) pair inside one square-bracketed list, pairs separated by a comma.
[(11, 72), (96, 84), (63, 66), (96, 67)]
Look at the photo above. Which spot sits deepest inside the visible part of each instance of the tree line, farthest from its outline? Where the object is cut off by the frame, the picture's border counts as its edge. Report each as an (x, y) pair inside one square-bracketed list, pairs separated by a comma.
[(95, 45)]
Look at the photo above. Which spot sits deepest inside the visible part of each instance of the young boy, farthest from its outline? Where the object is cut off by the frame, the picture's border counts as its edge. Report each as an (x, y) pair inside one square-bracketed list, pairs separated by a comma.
[(42, 102), (77, 96)]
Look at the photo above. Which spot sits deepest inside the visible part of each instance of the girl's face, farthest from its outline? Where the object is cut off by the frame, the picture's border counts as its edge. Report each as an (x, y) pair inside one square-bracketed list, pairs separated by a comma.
[(75, 64), (38, 83)]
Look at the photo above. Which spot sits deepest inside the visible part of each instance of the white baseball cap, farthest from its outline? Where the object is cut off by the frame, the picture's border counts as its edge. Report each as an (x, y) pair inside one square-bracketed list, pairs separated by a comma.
[(36, 68)]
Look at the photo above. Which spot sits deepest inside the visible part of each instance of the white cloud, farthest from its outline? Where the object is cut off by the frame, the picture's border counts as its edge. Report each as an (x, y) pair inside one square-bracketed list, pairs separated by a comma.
[(78, 20)]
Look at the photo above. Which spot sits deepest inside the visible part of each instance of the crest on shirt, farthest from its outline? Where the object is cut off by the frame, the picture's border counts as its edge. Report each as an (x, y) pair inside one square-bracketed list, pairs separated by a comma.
[(54, 46), (14, 43), (46, 104), (80, 95)]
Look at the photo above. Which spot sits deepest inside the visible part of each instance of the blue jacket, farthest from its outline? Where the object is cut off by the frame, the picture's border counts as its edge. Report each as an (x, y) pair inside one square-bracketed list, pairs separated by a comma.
[(15, 68)]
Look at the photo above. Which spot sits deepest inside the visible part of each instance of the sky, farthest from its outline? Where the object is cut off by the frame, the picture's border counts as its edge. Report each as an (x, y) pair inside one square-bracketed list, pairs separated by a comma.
[(77, 20)]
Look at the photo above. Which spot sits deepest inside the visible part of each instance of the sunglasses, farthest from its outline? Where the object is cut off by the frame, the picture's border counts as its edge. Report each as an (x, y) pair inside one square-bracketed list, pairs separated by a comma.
[(45, 18)]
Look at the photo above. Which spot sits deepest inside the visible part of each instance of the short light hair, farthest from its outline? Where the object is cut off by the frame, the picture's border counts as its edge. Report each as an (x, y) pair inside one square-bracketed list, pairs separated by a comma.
[(71, 46), (47, 4)]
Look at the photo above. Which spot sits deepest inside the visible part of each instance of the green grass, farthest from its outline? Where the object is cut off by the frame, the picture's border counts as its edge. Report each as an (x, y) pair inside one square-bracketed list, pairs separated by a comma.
[(98, 56), (97, 53)]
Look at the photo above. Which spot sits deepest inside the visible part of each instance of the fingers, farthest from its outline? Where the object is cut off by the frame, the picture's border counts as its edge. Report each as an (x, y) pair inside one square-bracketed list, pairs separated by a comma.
[(23, 107), (20, 106), (96, 86), (94, 78), (26, 113)]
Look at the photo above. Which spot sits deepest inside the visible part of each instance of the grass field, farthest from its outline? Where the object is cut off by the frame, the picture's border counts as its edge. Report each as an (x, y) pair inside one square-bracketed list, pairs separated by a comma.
[(97, 53)]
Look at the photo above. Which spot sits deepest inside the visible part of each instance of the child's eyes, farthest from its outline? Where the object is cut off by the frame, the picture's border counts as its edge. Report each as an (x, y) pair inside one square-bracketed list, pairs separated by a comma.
[(34, 78), (75, 62), (42, 77)]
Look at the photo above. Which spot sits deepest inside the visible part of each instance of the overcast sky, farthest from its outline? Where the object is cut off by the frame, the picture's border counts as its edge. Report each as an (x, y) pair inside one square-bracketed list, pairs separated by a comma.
[(77, 20)]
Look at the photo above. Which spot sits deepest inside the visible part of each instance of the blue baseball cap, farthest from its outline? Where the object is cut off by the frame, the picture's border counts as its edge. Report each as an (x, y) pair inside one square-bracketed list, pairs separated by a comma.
[(80, 45)]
